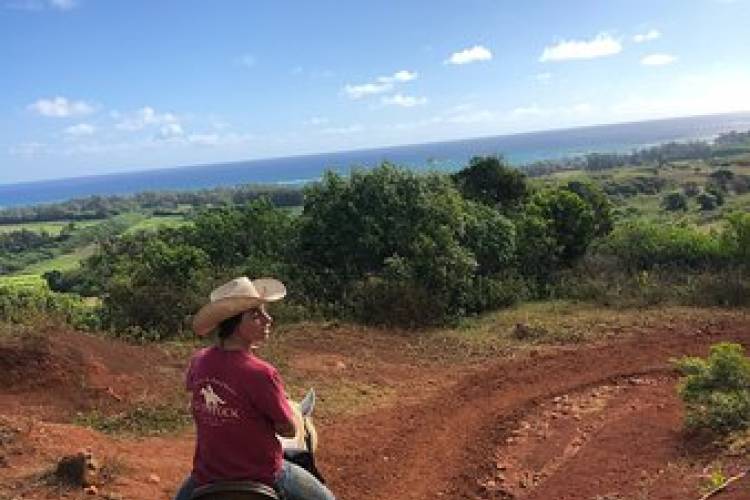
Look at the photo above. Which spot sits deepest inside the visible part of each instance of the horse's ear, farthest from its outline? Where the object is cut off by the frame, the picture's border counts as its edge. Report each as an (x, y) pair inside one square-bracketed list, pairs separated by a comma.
[(307, 405)]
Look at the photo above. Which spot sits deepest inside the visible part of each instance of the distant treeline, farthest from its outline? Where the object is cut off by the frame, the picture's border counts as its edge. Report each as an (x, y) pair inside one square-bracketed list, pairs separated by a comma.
[(155, 202), (725, 144), (395, 247), (392, 246)]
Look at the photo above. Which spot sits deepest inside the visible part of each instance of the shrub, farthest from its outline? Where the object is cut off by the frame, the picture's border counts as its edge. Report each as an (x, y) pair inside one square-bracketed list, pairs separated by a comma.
[(736, 238), (569, 219), (393, 231), (674, 201), (707, 201), (491, 181), (645, 245), (29, 304), (716, 390)]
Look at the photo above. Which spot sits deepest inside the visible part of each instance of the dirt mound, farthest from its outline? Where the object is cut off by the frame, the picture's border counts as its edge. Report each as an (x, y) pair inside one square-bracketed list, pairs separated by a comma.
[(53, 374)]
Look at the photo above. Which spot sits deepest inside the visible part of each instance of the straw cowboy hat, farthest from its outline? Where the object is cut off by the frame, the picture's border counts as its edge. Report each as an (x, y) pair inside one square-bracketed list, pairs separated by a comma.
[(235, 297)]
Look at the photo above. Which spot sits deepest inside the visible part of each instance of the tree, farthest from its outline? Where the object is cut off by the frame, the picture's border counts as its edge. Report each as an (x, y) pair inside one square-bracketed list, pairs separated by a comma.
[(569, 221), (395, 246), (490, 236), (599, 203), (233, 237), (158, 288), (491, 181)]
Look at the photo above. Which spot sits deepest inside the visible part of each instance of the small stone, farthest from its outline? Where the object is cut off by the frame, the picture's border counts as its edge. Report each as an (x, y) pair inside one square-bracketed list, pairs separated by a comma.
[(153, 478), (91, 490)]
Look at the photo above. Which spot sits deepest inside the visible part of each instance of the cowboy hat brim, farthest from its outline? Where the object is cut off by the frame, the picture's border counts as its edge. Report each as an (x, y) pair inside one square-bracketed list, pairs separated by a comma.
[(213, 313)]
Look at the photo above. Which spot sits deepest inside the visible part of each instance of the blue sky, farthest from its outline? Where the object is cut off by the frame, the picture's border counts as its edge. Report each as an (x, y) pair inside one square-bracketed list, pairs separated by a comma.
[(99, 86)]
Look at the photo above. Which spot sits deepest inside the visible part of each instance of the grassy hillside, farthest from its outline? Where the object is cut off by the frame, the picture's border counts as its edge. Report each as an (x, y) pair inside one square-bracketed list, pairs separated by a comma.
[(673, 177)]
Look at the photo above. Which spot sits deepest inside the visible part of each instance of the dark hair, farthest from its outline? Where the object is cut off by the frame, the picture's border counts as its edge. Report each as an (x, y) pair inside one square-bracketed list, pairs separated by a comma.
[(229, 325)]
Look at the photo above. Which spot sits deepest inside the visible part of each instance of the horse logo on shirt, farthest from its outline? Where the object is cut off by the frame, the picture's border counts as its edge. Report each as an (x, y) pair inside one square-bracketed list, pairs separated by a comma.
[(210, 398)]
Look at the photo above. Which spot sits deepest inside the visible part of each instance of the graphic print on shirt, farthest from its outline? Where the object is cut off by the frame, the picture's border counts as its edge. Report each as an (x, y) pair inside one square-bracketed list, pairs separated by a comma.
[(210, 399), (211, 408)]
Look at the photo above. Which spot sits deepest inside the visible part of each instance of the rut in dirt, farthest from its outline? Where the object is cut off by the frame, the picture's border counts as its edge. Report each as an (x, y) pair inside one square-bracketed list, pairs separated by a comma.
[(446, 446)]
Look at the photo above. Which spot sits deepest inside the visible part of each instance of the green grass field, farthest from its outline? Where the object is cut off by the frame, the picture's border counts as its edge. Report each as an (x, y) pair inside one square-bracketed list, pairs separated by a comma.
[(61, 263), (649, 207), (156, 222), (23, 281), (53, 228)]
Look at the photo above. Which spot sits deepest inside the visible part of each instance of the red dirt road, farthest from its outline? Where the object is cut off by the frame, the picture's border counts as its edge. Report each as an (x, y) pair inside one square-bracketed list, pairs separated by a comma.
[(580, 422)]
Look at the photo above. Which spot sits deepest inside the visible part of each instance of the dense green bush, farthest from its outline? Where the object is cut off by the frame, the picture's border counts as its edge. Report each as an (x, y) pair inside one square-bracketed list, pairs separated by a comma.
[(489, 180), (388, 238), (645, 263), (569, 220), (29, 305), (736, 238), (674, 201), (707, 201), (640, 245), (716, 390)]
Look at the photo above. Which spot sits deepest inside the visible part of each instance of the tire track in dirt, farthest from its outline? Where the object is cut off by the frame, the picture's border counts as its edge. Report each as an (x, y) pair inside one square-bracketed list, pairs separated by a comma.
[(446, 446)]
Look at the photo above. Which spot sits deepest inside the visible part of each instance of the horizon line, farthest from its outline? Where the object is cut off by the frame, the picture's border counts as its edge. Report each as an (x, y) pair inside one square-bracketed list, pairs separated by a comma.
[(359, 150)]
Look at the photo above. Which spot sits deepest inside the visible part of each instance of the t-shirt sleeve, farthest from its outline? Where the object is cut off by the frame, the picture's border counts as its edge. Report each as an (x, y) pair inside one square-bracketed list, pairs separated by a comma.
[(189, 376), (269, 397)]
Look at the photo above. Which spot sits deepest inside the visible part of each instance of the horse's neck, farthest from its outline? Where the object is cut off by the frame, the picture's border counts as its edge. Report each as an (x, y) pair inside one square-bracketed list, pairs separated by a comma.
[(298, 441)]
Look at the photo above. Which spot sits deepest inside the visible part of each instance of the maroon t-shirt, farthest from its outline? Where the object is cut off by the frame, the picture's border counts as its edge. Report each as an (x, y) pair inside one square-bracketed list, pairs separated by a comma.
[(237, 399)]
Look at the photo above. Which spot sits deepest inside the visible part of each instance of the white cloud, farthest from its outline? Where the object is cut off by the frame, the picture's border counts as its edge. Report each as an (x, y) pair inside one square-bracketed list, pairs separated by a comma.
[(82, 129), (60, 107), (599, 46), (144, 117), (651, 34), (381, 84), (473, 54), (658, 59), (399, 76), (359, 91), (170, 131), (405, 101), (63, 4)]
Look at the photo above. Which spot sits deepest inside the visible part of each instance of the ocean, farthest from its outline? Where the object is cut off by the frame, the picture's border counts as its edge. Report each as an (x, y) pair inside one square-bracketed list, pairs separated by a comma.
[(518, 149)]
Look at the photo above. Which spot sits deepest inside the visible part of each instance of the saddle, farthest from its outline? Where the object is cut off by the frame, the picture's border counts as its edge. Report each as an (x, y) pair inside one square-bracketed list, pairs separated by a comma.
[(235, 490)]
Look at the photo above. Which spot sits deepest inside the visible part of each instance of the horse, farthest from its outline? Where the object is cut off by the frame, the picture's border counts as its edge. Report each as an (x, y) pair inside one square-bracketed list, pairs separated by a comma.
[(300, 450)]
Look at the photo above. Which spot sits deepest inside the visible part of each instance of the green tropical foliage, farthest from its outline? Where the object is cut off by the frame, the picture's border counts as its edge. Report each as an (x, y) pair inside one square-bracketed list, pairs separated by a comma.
[(716, 390)]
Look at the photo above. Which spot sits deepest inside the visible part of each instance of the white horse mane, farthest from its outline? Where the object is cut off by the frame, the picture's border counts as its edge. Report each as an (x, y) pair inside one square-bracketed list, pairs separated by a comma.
[(302, 418)]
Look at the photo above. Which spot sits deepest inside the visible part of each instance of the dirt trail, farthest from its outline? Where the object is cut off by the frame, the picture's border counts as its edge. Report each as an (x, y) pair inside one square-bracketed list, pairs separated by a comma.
[(461, 444), (582, 422)]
